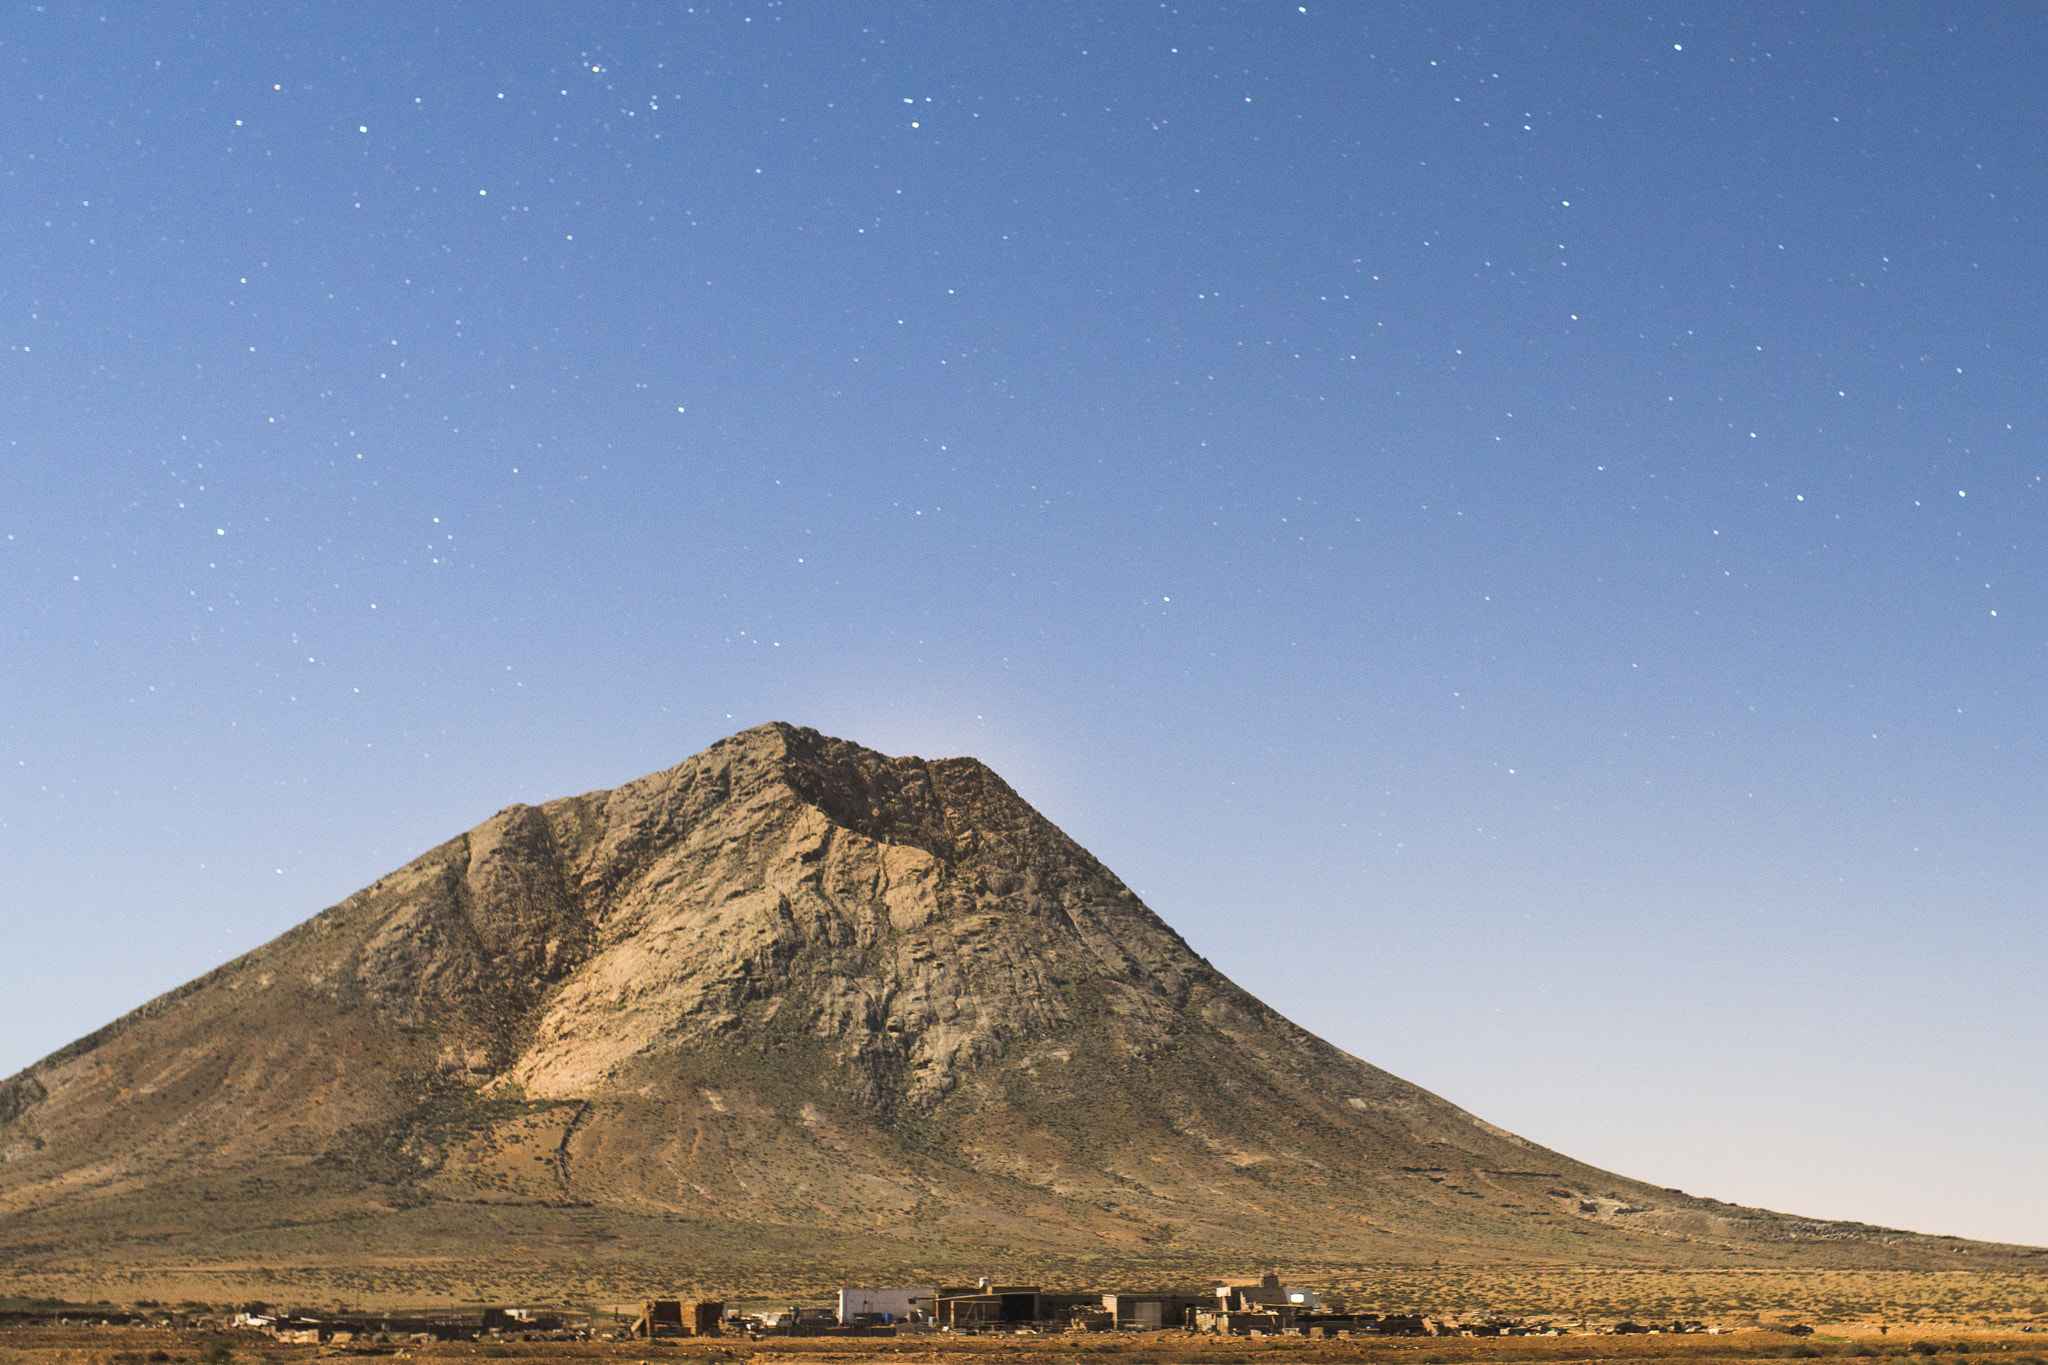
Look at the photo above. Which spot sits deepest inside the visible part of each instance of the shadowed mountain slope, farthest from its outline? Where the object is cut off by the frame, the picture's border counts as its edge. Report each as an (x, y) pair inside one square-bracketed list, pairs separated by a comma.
[(788, 1009)]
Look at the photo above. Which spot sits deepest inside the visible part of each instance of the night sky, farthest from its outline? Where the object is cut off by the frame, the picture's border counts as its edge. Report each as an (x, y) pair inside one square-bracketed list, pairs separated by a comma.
[(1519, 530)]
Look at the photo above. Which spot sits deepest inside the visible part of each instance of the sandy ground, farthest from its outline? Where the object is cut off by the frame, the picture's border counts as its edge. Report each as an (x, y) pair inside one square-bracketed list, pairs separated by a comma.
[(158, 1346)]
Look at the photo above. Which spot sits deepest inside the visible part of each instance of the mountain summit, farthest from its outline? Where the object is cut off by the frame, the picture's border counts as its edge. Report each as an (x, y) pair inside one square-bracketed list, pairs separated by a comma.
[(787, 1008)]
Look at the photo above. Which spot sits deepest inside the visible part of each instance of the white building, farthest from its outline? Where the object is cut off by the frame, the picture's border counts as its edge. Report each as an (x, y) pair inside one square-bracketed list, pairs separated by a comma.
[(897, 1305)]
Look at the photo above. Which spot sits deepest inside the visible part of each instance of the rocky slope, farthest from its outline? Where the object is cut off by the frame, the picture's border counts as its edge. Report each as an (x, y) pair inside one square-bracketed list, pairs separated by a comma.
[(789, 1007)]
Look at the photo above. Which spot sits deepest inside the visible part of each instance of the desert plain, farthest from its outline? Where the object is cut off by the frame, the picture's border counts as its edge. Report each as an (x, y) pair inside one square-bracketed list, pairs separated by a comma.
[(150, 1345)]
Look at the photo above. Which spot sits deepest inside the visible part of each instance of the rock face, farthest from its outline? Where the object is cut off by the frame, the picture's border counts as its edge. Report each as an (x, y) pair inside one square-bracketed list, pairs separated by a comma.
[(790, 998)]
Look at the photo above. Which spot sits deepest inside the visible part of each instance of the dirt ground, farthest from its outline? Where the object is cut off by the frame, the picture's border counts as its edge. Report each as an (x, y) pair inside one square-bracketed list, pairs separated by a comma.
[(83, 1345)]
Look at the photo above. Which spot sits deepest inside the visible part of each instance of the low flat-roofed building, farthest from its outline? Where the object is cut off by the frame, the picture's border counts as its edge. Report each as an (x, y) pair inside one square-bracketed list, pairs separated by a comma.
[(911, 1303), (988, 1305), (1151, 1312), (1247, 1296)]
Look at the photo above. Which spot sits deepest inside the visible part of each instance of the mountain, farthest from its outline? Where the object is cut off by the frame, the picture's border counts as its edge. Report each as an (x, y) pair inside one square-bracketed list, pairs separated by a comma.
[(787, 1012)]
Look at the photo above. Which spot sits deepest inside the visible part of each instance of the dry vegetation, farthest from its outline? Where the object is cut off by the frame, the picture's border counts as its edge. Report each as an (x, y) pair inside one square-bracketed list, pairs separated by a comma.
[(1841, 1300), (1852, 1302)]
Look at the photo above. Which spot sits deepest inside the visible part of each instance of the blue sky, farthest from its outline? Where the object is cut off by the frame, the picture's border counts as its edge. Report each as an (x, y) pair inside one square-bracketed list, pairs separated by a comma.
[(1519, 530)]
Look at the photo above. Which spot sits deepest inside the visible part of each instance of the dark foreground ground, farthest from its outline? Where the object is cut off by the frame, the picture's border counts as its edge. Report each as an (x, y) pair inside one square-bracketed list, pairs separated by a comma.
[(83, 1345)]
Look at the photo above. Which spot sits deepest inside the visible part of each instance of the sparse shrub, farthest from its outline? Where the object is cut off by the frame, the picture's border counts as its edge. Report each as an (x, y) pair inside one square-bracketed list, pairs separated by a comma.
[(1435, 1358), (1924, 1348), (1803, 1351), (158, 1357)]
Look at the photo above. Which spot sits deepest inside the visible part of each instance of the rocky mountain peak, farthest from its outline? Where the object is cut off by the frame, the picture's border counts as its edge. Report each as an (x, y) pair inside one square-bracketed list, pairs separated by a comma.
[(913, 918), (794, 987)]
